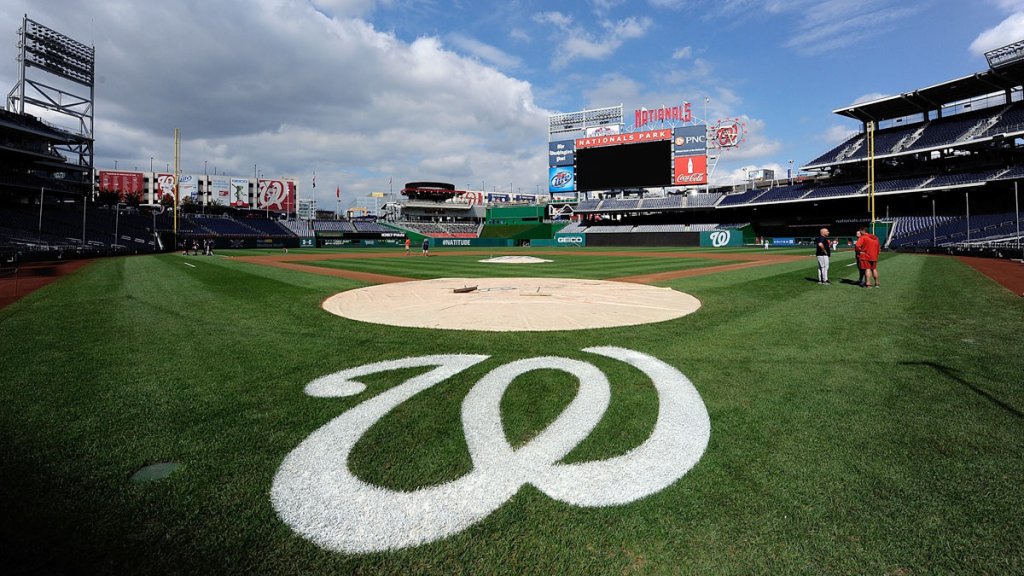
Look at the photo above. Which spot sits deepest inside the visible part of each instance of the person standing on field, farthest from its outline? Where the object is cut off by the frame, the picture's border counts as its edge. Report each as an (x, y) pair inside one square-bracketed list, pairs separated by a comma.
[(858, 256), (823, 250), (425, 248), (408, 246), (869, 247)]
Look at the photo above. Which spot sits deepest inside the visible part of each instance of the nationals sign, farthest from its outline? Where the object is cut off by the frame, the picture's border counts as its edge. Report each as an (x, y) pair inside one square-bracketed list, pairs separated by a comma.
[(632, 137), (316, 494), (681, 113)]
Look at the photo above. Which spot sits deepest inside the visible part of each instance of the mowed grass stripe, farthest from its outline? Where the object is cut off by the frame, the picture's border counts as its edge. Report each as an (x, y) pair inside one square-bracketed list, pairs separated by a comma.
[(590, 267), (853, 431)]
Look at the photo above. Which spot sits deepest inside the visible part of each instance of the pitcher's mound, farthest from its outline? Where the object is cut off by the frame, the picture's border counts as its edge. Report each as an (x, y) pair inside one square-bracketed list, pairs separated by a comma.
[(514, 260), (511, 304)]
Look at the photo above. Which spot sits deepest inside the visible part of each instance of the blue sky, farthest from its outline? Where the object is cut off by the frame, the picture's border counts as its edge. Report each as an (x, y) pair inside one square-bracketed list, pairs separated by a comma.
[(371, 94)]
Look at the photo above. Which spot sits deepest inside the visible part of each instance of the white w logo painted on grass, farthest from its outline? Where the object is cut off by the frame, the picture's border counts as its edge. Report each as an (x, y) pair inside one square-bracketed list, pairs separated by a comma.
[(316, 494)]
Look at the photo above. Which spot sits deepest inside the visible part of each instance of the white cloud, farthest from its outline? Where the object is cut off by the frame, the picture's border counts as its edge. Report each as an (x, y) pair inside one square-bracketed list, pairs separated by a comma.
[(604, 6), (581, 43), (682, 53), (1009, 5), (485, 52), (670, 4), (869, 97), (827, 25), (290, 88), (519, 35), (348, 8), (1006, 32), (836, 134), (556, 18)]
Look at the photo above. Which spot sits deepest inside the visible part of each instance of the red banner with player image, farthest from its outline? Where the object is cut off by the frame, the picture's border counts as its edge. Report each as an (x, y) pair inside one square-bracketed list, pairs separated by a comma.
[(691, 170), (276, 195), (124, 183)]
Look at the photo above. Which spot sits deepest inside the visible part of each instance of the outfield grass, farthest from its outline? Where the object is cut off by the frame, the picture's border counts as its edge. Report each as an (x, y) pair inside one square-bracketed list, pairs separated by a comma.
[(852, 431)]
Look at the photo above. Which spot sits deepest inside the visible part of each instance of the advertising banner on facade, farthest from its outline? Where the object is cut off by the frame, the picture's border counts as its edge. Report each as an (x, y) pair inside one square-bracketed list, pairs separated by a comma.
[(691, 170), (630, 138), (188, 187), (690, 141), (124, 183), (164, 186), (606, 130), (220, 191), (240, 192), (276, 195), (721, 238), (561, 179), (561, 153)]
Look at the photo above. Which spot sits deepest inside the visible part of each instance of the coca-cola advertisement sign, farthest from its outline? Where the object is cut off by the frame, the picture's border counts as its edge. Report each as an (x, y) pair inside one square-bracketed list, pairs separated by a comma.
[(276, 195), (691, 170)]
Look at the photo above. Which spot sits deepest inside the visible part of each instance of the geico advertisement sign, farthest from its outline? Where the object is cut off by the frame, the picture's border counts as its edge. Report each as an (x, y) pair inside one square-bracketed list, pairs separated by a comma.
[(575, 239)]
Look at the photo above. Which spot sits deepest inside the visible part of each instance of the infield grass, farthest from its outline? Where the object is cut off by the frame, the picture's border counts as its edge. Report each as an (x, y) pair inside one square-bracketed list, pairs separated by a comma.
[(852, 431)]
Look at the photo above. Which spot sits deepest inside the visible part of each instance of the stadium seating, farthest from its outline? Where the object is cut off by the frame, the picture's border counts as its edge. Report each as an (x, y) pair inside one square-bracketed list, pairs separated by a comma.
[(615, 204), (960, 179), (900, 184), (835, 191), (299, 227), (782, 194), (660, 228), (333, 226), (918, 231), (741, 198), (573, 228), (703, 199), (663, 203)]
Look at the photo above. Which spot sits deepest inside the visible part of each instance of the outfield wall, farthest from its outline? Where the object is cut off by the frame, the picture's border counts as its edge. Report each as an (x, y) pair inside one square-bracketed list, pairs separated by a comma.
[(713, 239)]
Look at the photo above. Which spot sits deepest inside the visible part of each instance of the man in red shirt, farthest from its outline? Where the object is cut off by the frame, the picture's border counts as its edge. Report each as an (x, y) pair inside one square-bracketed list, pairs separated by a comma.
[(868, 248)]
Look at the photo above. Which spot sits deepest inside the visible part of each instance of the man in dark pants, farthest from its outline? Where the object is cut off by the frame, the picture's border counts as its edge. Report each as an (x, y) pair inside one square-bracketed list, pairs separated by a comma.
[(823, 250), (859, 259)]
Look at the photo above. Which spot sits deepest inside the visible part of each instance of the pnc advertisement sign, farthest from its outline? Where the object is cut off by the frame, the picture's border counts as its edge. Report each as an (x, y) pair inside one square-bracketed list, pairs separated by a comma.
[(689, 140), (561, 153), (561, 179), (691, 170)]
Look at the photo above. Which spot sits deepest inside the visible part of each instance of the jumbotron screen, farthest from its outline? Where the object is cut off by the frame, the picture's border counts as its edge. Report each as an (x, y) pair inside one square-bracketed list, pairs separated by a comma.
[(624, 166)]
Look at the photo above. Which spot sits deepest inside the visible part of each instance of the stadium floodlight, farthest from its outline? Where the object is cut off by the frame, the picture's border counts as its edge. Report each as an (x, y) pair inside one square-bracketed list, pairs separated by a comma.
[(50, 52), (583, 119), (1009, 54), (57, 54)]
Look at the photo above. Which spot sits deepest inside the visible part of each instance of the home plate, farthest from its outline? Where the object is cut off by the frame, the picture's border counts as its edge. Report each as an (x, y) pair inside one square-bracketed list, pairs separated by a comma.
[(511, 304)]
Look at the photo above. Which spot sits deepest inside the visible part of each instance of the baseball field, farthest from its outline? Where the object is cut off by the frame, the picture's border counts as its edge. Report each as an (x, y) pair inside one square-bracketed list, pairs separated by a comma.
[(178, 414)]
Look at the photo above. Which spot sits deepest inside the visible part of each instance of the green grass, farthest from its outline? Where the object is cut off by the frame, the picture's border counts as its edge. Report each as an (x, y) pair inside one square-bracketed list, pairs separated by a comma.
[(853, 431), (568, 266)]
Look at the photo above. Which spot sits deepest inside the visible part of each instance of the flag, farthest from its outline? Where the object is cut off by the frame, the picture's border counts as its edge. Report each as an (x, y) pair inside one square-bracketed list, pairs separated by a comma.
[(314, 180), (337, 192)]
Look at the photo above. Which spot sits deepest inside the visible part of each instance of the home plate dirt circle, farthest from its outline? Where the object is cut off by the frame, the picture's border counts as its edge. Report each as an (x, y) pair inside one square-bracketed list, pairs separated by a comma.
[(511, 304)]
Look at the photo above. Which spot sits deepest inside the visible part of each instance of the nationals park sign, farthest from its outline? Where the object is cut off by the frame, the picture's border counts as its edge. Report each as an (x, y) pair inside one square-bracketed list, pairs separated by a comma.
[(319, 497)]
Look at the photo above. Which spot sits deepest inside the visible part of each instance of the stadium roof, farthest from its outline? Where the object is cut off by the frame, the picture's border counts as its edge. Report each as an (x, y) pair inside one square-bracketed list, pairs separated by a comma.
[(934, 97)]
